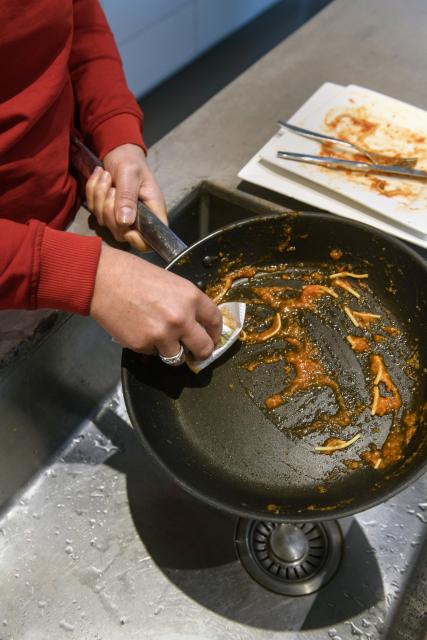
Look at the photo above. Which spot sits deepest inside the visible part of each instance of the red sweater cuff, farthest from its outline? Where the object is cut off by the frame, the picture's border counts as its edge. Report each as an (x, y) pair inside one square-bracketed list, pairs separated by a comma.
[(67, 271), (124, 128)]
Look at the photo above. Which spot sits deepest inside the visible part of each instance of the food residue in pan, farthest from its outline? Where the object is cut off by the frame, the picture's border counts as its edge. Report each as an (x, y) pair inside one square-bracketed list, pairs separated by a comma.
[(276, 326), (383, 404), (358, 343), (335, 254)]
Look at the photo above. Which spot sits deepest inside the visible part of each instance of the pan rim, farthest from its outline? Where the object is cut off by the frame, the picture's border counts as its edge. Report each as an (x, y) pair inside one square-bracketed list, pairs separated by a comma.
[(382, 235)]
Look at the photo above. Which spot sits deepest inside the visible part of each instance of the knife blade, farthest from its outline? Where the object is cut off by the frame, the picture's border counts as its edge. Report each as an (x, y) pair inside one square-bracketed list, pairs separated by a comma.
[(352, 165)]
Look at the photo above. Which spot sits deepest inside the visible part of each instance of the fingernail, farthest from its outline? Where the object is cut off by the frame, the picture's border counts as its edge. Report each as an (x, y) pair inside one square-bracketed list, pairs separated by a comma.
[(126, 215), (98, 170), (105, 176)]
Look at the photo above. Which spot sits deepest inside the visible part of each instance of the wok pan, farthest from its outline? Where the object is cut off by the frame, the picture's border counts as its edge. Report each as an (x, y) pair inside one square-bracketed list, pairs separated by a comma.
[(211, 431)]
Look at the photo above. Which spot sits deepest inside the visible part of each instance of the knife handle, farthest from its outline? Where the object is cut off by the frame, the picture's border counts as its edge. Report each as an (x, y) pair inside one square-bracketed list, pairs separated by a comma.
[(158, 235)]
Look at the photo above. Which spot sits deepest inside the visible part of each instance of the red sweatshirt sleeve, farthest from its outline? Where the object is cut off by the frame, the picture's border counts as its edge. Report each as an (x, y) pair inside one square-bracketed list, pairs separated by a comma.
[(108, 114), (35, 267)]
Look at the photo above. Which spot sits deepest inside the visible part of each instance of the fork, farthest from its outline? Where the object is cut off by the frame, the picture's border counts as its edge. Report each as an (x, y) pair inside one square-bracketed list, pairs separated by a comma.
[(373, 156)]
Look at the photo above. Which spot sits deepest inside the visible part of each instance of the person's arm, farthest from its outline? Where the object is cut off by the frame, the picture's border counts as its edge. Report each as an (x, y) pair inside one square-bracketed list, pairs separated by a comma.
[(45, 268), (142, 306), (110, 120), (107, 113)]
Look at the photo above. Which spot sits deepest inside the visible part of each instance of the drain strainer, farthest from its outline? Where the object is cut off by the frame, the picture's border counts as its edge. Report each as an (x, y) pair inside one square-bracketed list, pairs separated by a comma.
[(289, 558)]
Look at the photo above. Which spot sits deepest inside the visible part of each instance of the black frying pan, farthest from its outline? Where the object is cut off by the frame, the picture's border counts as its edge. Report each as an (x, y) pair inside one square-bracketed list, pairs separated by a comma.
[(211, 431)]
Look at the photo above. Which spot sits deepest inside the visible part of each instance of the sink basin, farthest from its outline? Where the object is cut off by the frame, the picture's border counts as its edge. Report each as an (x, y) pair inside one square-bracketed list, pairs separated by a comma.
[(96, 542)]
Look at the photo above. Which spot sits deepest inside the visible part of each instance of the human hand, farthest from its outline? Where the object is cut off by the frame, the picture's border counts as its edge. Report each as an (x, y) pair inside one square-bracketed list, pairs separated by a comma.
[(112, 193), (150, 310)]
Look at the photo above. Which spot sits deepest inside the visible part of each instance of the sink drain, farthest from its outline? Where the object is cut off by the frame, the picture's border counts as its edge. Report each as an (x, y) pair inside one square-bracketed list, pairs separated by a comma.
[(289, 558)]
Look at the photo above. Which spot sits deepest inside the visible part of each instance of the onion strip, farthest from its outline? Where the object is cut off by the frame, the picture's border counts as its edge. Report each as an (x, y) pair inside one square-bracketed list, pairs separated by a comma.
[(262, 336), (348, 274), (375, 400), (227, 285), (344, 444), (328, 290), (380, 370), (349, 312), (366, 318), (344, 285)]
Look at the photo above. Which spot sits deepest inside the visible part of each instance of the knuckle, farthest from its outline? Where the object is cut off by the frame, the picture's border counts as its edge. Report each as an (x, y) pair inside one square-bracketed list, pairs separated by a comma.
[(133, 169), (206, 351), (127, 195), (192, 293), (176, 318), (135, 345)]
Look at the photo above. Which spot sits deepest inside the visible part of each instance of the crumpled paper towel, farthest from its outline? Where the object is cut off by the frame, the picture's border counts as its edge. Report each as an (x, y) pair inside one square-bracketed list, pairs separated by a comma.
[(233, 317)]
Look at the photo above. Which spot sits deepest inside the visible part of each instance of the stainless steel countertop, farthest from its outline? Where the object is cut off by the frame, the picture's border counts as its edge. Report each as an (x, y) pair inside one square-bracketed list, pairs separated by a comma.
[(85, 550), (104, 546)]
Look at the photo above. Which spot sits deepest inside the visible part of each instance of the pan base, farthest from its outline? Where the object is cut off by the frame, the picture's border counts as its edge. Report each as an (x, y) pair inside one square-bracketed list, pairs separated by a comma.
[(292, 559)]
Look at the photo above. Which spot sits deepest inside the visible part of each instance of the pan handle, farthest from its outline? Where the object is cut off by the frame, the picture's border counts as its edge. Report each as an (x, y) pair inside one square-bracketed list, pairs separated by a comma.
[(158, 235)]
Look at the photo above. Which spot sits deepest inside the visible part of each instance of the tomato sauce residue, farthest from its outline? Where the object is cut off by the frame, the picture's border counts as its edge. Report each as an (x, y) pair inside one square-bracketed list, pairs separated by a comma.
[(410, 420), (357, 126), (289, 346), (309, 372), (384, 188), (335, 254), (383, 404), (358, 343), (394, 445), (305, 301), (352, 464)]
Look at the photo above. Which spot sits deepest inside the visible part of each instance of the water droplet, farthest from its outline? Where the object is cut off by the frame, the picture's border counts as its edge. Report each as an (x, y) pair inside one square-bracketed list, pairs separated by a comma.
[(69, 549), (365, 623), (411, 511), (421, 517), (67, 626), (423, 506), (355, 630), (41, 604), (4, 623)]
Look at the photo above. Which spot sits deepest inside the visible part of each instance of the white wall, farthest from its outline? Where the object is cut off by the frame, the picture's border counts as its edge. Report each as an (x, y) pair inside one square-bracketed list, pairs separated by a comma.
[(158, 37)]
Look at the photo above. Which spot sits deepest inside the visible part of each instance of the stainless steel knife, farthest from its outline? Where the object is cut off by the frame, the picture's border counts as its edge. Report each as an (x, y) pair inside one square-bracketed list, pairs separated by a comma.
[(352, 165)]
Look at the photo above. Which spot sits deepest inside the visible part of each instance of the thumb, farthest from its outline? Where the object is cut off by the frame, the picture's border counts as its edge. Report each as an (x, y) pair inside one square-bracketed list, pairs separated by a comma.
[(127, 187)]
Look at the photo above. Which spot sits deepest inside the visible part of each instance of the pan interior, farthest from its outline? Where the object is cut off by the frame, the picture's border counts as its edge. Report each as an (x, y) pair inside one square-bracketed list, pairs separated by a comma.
[(214, 431)]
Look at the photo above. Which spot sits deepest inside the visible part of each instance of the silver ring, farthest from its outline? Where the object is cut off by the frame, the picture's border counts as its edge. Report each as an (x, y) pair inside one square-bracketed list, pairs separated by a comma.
[(176, 360)]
